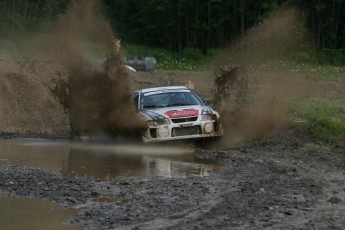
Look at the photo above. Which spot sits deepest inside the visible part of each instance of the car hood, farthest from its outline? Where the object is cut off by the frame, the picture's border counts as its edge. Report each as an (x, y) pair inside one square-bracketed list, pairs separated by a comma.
[(177, 112)]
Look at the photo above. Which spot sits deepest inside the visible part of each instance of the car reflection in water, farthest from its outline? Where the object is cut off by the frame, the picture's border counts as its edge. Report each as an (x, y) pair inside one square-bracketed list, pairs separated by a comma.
[(105, 160), (103, 164), (174, 168)]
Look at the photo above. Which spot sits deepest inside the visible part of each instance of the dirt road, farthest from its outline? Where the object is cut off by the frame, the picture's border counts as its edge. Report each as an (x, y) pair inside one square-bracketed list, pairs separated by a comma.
[(285, 181)]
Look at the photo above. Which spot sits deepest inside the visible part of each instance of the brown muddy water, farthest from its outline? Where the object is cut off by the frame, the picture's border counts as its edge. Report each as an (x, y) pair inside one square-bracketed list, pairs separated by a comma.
[(33, 213), (99, 159), (103, 159)]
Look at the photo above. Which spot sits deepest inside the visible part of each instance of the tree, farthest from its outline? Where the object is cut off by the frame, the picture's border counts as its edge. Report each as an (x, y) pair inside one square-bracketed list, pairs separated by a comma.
[(326, 20), (180, 24), (21, 15)]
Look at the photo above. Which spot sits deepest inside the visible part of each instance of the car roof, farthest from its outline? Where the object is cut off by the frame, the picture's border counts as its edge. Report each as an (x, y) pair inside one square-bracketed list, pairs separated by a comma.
[(162, 89)]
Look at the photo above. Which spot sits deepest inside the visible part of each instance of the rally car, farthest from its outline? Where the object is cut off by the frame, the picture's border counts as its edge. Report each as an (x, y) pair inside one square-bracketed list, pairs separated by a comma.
[(175, 112)]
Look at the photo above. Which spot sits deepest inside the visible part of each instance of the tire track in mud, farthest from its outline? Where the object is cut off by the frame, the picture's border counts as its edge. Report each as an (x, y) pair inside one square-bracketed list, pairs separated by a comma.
[(175, 219), (328, 210)]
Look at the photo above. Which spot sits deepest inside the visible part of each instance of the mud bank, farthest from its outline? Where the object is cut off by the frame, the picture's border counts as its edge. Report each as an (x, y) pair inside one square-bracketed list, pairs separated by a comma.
[(27, 105), (283, 181)]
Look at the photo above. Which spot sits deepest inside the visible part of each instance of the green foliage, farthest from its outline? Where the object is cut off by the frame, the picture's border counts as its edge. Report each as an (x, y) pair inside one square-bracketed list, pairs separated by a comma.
[(22, 16), (331, 57), (192, 54), (324, 120), (305, 57), (325, 21), (322, 57)]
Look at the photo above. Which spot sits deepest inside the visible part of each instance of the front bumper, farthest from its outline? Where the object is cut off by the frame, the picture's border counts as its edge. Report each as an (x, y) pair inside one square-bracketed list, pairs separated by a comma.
[(179, 131)]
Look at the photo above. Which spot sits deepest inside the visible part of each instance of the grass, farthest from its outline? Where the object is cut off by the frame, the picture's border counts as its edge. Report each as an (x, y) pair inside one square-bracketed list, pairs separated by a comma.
[(324, 119), (187, 60), (321, 118), (328, 73), (326, 65)]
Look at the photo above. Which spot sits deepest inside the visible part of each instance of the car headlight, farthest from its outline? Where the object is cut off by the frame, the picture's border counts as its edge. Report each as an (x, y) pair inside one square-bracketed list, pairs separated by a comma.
[(150, 123), (206, 118), (162, 122), (158, 122)]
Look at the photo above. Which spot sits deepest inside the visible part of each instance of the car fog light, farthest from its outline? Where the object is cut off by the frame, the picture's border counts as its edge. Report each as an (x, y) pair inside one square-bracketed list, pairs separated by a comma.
[(208, 127), (163, 132)]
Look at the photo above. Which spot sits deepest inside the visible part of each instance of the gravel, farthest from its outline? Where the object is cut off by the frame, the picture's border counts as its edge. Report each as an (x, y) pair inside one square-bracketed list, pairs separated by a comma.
[(282, 182)]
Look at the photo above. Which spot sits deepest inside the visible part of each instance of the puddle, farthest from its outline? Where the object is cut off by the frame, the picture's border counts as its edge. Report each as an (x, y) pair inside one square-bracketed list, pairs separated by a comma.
[(32, 213), (104, 159)]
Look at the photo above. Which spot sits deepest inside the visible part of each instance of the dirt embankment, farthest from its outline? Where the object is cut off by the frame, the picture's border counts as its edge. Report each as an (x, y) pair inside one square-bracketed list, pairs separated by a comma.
[(27, 105)]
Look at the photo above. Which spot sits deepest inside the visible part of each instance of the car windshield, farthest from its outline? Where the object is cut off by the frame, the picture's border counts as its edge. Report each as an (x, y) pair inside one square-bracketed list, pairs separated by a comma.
[(168, 99)]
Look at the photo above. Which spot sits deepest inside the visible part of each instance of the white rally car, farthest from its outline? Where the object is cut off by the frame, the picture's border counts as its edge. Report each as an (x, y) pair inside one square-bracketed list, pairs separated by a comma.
[(174, 113)]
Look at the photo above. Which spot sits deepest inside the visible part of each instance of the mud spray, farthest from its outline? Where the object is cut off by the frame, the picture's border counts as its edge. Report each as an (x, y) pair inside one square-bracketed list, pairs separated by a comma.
[(97, 97), (251, 106)]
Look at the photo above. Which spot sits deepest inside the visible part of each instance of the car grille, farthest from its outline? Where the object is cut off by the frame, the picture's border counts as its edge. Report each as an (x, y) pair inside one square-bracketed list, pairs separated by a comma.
[(184, 131), (186, 119)]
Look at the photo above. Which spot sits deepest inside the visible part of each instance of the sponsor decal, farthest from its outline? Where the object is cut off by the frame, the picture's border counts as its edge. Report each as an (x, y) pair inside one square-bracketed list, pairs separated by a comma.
[(182, 113)]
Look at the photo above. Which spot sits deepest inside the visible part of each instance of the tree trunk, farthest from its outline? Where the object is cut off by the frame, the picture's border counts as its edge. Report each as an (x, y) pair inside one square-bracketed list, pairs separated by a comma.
[(242, 17), (13, 15), (37, 9), (26, 9), (208, 29)]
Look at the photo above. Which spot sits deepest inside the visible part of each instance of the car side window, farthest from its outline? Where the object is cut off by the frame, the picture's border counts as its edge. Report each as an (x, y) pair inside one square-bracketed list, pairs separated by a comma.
[(136, 100)]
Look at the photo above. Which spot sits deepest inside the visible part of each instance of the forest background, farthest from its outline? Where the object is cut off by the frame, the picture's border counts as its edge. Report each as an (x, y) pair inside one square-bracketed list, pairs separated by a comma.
[(176, 25)]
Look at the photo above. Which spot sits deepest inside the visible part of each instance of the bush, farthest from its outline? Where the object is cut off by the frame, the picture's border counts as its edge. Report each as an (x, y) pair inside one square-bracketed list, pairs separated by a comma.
[(305, 57), (331, 57), (322, 57), (192, 54)]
